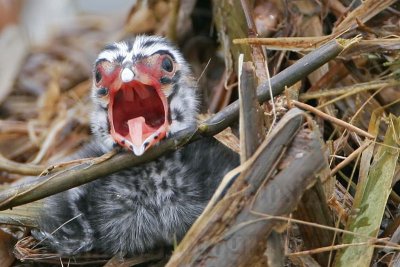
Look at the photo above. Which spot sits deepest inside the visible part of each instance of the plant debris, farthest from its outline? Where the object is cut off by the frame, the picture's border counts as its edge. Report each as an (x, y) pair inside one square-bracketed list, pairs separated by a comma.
[(319, 127)]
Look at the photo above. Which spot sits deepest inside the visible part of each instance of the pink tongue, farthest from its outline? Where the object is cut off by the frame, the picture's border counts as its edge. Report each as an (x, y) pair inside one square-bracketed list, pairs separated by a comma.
[(138, 130)]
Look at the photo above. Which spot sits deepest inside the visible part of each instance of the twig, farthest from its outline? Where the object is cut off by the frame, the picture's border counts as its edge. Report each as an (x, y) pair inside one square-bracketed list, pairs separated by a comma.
[(50, 138), (258, 54), (334, 247), (348, 90), (12, 197), (204, 70), (286, 78), (337, 121), (250, 122), (363, 13), (287, 43), (90, 161), (288, 219), (19, 168), (350, 158)]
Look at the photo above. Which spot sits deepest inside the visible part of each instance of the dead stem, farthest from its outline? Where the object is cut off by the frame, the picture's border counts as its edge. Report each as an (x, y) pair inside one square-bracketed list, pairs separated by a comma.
[(347, 90), (337, 121), (337, 247), (350, 158), (19, 168), (50, 139)]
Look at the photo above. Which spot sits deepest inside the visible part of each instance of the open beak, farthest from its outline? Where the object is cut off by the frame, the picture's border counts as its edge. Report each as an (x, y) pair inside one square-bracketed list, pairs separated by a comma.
[(137, 112)]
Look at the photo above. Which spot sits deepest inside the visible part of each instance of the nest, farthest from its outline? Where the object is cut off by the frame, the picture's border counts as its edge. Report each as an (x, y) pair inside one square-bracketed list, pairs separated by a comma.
[(319, 149)]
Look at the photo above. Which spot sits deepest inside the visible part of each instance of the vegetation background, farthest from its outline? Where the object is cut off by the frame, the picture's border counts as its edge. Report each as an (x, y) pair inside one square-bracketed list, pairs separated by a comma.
[(320, 161)]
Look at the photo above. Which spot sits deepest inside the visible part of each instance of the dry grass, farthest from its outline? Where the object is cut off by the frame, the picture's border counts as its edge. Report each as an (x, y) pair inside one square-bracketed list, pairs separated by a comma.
[(352, 106)]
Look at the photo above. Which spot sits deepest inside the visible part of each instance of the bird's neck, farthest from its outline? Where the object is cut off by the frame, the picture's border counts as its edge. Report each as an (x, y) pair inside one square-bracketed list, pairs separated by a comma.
[(183, 106)]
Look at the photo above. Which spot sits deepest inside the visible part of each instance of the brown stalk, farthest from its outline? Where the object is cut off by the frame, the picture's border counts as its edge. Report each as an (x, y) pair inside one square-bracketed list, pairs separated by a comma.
[(337, 121)]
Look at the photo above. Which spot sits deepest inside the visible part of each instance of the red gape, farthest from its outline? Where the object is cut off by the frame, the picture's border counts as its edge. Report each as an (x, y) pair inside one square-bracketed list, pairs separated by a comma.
[(138, 108), (136, 113)]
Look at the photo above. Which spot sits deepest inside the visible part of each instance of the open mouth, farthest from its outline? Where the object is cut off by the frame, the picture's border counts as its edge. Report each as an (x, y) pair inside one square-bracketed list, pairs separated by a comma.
[(137, 116)]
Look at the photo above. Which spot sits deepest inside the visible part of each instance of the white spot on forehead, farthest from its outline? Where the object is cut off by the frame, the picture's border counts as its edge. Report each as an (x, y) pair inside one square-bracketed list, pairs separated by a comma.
[(127, 75)]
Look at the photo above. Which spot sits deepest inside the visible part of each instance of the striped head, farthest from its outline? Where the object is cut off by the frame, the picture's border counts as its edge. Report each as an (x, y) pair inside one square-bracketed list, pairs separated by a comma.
[(142, 91)]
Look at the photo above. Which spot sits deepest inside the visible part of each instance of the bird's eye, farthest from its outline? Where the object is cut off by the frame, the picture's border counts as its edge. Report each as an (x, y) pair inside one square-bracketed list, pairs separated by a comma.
[(102, 91), (167, 64), (97, 76)]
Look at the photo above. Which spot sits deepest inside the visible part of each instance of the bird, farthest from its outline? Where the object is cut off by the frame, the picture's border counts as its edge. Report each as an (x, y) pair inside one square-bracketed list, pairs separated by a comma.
[(143, 91)]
